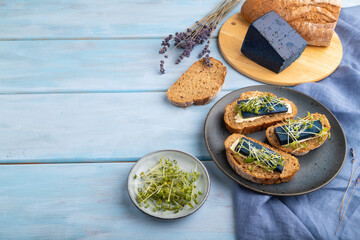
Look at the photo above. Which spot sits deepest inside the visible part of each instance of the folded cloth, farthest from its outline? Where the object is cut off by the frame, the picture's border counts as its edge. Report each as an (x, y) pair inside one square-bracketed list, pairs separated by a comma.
[(314, 215)]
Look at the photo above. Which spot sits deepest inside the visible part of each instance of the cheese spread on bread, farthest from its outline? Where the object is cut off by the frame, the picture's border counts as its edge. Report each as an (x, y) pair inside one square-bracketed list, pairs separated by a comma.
[(233, 146)]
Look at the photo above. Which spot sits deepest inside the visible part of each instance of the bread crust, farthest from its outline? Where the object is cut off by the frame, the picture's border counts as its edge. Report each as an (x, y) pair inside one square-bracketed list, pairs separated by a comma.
[(181, 97), (256, 125), (314, 20), (259, 175), (311, 144)]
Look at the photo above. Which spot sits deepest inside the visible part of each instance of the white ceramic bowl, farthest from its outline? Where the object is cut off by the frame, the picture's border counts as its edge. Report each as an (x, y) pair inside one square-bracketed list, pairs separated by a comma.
[(186, 162)]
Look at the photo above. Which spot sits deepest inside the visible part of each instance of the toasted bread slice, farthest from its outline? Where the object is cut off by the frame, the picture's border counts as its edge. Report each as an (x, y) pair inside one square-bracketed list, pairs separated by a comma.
[(259, 175), (310, 144), (199, 85), (258, 124)]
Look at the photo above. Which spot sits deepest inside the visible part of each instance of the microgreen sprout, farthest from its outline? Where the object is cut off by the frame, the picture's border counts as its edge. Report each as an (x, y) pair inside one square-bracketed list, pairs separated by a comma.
[(265, 102), (264, 157), (167, 187), (293, 128)]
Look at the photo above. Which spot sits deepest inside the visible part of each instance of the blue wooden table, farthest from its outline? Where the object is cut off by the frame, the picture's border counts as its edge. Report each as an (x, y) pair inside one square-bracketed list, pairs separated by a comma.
[(81, 100)]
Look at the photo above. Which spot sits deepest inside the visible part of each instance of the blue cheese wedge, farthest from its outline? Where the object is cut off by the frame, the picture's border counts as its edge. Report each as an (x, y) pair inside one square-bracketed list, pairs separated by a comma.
[(298, 130), (253, 108), (253, 152), (267, 109), (272, 43)]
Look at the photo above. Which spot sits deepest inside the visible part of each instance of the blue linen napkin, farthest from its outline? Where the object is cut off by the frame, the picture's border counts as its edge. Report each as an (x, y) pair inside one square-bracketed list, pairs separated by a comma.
[(313, 215)]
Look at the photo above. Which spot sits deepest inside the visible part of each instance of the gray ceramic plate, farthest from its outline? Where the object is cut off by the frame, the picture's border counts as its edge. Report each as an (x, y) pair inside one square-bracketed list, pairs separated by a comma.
[(317, 168), (186, 162)]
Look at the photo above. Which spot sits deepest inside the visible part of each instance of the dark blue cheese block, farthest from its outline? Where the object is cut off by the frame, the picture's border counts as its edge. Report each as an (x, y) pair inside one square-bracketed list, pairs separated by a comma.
[(243, 149), (264, 110), (271, 42), (284, 138)]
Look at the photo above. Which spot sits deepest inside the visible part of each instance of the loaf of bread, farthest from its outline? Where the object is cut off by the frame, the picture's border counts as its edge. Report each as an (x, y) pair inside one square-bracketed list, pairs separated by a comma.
[(256, 174), (300, 148), (314, 20), (199, 85), (261, 123)]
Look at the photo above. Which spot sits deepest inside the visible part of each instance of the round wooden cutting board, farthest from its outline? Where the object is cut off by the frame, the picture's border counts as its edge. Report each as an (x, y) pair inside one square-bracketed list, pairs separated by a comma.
[(314, 64)]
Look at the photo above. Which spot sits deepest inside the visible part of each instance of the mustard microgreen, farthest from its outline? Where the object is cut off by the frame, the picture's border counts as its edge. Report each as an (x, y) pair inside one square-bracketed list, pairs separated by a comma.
[(293, 128), (167, 187), (264, 157), (265, 102)]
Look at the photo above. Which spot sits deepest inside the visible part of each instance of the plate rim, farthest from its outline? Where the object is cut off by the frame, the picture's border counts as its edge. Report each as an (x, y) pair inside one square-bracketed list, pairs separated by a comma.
[(143, 158), (264, 191)]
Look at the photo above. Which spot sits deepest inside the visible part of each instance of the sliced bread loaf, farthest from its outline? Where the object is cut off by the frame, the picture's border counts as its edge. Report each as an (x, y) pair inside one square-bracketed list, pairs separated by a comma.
[(258, 174), (248, 126), (199, 85), (300, 148)]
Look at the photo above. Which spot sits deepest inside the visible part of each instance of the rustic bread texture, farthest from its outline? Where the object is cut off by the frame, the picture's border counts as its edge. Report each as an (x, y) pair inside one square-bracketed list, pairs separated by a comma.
[(199, 85), (314, 20), (256, 125), (259, 175), (311, 144)]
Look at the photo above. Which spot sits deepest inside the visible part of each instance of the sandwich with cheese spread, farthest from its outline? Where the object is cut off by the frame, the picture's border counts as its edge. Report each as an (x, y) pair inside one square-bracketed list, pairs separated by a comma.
[(299, 136), (259, 162), (255, 111)]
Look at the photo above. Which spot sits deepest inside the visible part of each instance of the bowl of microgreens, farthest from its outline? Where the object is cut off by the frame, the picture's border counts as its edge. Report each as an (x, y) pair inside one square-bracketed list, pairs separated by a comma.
[(168, 184)]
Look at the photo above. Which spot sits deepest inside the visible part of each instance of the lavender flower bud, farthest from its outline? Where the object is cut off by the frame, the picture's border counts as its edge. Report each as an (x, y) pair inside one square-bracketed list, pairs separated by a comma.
[(163, 50), (207, 60), (162, 70), (357, 181)]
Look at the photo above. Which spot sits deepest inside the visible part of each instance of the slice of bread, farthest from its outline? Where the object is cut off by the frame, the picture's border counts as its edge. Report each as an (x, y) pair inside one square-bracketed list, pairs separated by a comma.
[(259, 175), (256, 125), (310, 144), (199, 85)]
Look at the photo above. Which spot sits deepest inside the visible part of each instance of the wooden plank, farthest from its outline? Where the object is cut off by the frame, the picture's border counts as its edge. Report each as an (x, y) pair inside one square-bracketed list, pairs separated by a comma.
[(37, 19), (90, 201), (95, 66), (97, 127), (73, 19)]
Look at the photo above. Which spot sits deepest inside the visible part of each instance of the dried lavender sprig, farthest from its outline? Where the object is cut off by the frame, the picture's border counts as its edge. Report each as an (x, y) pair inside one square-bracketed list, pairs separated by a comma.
[(204, 51), (349, 183), (357, 181), (207, 60), (211, 20), (199, 33), (162, 70), (352, 192)]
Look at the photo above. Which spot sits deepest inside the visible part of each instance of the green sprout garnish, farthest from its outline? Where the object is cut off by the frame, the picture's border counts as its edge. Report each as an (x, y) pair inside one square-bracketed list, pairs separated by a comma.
[(265, 101), (295, 127), (264, 157), (167, 187)]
